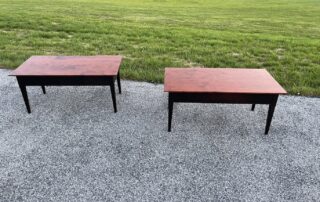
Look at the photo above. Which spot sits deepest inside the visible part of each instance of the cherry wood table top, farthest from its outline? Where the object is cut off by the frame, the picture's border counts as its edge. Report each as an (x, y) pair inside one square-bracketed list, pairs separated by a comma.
[(220, 80), (101, 65)]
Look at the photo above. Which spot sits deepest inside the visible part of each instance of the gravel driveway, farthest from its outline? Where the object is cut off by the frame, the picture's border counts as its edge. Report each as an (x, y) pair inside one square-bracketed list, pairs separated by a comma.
[(72, 147)]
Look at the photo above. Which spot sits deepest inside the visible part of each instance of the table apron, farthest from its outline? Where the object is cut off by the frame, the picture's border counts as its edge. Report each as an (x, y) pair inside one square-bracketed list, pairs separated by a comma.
[(66, 80), (232, 98)]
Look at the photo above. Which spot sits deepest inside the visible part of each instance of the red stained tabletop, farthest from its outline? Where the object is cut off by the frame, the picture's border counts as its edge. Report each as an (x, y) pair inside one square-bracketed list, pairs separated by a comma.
[(69, 66), (221, 80)]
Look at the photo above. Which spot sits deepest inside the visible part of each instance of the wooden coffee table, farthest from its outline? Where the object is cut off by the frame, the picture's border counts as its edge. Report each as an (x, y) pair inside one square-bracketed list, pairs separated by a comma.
[(69, 71), (222, 85)]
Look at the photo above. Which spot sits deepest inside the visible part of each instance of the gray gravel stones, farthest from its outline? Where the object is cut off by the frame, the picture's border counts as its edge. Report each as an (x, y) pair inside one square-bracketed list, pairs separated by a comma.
[(72, 147)]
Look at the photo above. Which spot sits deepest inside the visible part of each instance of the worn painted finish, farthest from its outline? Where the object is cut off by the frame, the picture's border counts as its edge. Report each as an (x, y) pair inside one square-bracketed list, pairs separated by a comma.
[(221, 80), (69, 66)]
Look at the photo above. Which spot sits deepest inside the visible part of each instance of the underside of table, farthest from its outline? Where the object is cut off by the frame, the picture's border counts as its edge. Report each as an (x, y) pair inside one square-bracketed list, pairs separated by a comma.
[(43, 81), (228, 98)]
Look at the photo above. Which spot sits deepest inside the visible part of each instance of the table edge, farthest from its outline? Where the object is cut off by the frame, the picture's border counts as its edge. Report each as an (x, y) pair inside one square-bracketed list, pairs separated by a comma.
[(216, 92)]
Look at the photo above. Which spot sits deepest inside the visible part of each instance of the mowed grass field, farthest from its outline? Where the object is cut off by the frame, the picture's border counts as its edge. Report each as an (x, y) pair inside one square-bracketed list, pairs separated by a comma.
[(282, 36)]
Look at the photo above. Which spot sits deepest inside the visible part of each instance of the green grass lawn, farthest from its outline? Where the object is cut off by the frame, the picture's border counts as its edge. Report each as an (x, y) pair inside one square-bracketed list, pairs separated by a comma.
[(280, 35)]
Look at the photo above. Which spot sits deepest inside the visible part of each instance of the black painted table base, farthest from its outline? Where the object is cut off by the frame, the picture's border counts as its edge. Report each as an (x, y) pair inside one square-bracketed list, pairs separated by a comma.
[(227, 98), (43, 81)]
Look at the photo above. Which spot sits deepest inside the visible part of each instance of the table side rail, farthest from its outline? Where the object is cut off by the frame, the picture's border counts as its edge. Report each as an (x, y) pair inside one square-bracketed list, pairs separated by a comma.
[(66, 80), (228, 98)]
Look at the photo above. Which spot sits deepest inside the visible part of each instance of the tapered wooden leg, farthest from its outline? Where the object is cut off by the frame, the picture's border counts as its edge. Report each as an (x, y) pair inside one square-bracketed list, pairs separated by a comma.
[(272, 106), (23, 90), (118, 81), (113, 94), (253, 106), (170, 111), (43, 89)]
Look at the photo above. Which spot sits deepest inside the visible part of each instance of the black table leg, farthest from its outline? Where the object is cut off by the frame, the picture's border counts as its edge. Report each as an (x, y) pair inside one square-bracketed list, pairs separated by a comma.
[(253, 106), (118, 81), (113, 94), (272, 106), (24, 94), (43, 89), (170, 111)]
